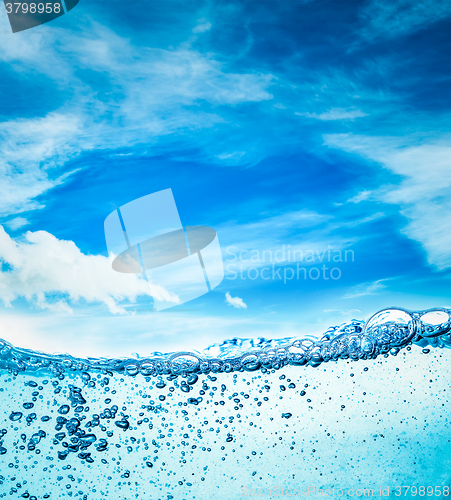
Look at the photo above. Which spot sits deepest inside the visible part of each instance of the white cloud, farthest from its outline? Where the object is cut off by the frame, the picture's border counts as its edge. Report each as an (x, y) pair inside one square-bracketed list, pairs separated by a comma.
[(423, 190), (362, 196), (235, 301), (235, 156), (364, 220), (335, 114), (42, 267), (346, 312), (16, 223)]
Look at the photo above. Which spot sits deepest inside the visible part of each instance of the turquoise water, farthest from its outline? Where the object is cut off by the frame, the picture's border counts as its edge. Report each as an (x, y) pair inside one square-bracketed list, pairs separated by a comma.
[(363, 411)]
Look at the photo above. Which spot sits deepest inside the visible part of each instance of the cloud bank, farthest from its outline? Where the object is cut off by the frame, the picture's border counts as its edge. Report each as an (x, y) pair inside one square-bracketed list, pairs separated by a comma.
[(52, 273)]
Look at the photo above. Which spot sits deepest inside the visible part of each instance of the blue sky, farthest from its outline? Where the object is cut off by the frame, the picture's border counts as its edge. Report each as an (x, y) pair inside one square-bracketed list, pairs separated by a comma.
[(311, 124)]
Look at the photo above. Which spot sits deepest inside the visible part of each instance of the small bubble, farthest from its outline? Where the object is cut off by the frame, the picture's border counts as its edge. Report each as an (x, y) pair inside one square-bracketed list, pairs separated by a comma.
[(64, 409)]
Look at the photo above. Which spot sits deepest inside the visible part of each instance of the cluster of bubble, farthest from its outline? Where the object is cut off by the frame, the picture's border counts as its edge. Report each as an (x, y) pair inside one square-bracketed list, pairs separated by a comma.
[(386, 332)]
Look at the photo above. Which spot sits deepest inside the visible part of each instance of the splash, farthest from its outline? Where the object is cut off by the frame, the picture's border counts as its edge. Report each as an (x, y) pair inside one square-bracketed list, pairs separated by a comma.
[(386, 332)]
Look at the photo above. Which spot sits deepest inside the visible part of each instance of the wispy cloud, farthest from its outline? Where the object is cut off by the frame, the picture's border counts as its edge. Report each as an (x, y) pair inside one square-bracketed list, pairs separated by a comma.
[(202, 26), (423, 190), (335, 114), (31, 152), (297, 236), (361, 196), (16, 223), (365, 289), (153, 93), (236, 302), (346, 312), (288, 236), (392, 18), (52, 274)]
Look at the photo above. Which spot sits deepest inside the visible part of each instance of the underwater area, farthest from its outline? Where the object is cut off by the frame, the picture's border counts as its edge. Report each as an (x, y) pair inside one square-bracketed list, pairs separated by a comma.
[(361, 412)]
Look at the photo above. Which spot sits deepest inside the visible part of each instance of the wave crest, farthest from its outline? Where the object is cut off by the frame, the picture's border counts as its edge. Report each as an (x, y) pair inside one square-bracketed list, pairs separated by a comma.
[(386, 332)]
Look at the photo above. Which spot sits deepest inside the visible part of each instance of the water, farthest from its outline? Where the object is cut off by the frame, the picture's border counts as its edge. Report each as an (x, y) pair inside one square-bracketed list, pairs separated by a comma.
[(367, 415)]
